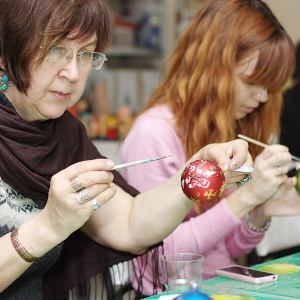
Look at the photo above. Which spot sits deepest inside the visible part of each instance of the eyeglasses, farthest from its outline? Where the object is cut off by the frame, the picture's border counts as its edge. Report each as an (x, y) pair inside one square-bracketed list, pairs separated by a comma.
[(62, 54)]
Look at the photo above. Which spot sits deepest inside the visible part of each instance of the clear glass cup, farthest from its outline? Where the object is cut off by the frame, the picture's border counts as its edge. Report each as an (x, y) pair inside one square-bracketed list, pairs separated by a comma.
[(181, 271)]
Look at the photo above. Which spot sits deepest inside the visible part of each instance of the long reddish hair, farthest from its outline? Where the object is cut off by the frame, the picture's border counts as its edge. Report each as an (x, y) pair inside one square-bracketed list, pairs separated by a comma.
[(199, 74)]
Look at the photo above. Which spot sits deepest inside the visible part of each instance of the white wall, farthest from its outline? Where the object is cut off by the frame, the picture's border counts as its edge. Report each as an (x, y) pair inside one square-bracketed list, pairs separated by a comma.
[(288, 13)]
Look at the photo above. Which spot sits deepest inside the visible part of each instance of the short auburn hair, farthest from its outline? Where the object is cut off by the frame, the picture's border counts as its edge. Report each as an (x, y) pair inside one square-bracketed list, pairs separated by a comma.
[(28, 25)]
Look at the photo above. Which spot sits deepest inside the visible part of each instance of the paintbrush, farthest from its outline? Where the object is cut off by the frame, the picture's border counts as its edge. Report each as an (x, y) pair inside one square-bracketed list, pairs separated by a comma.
[(243, 169), (139, 162), (261, 144)]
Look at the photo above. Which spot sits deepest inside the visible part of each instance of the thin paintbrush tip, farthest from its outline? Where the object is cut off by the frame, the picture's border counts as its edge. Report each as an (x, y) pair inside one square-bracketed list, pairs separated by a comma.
[(161, 157), (139, 162)]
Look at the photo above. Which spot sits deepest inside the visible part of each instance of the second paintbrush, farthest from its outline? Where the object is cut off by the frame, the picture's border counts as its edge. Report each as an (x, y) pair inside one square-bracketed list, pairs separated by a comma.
[(241, 136)]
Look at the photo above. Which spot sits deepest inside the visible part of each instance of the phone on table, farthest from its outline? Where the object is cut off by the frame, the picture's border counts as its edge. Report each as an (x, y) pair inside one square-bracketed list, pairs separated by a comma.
[(246, 274)]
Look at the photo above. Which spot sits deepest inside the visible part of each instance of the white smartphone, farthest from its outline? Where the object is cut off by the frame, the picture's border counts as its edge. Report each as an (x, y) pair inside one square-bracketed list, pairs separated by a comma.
[(246, 274)]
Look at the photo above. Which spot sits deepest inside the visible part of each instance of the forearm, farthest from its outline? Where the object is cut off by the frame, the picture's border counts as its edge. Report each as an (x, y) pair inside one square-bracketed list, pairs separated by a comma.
[(161, 209), (35, 238), (12, 266), (142, 221)]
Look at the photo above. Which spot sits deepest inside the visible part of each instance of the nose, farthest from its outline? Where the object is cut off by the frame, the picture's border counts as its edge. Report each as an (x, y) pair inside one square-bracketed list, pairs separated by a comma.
[(261, 95), (71, 69)]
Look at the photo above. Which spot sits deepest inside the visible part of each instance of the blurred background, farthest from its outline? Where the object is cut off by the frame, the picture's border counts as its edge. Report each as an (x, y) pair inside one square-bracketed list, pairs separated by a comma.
[(145, 31)]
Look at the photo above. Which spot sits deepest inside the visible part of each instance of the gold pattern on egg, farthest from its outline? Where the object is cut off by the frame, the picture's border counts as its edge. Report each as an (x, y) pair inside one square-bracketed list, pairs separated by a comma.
[(211, 193), (222, 188)]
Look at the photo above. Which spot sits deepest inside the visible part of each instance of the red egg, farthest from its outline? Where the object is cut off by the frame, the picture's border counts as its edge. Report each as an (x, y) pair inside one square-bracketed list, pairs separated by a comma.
[(203, 181)]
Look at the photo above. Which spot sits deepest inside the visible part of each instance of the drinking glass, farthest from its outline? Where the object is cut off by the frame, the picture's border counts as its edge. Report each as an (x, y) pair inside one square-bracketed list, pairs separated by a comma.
[(181, 271)]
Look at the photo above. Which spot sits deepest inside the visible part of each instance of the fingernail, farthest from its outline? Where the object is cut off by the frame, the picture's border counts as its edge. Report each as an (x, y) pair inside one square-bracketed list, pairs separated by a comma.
[(110, 163), (233, 165)]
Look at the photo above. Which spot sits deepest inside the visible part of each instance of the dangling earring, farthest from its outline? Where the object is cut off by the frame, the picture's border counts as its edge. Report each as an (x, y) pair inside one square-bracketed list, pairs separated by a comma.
[(4, 83)]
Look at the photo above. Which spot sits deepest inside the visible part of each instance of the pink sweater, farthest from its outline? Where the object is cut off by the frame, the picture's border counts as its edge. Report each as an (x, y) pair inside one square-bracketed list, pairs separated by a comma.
[(217, 233)]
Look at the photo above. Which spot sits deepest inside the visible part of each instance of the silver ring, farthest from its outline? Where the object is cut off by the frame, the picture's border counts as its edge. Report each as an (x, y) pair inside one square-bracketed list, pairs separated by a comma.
[(246, 179), (76, 184), (280, 171), (95, 204), (83, 196)]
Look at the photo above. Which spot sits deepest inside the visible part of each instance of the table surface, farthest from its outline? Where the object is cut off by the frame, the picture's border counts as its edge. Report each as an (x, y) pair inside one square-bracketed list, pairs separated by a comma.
[(286, 287)]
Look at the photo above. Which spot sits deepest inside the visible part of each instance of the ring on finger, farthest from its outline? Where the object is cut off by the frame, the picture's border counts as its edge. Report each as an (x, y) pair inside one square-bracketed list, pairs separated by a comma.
[(76, 184), (280, 171), (83, 196), (95, 204), (246, 179)]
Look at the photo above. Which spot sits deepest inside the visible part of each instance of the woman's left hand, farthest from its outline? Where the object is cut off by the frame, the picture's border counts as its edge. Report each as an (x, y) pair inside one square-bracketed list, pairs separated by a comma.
[(229, 156)]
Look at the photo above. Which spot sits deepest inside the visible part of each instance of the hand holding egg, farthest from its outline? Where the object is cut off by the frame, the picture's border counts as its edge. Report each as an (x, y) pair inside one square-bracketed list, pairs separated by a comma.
[(203, 181)]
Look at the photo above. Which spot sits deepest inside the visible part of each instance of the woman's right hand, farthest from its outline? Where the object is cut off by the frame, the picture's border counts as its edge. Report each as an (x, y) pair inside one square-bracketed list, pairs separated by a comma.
[(270, 168), (63, 213)]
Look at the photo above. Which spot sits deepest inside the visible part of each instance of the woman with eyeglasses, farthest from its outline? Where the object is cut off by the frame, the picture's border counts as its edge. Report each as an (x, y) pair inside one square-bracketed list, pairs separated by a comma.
[(53, 233), (224, 78)]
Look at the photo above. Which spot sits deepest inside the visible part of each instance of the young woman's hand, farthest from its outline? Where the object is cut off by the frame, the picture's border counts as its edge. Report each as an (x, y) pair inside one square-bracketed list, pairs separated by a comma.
[(270, 168), (228, 156)]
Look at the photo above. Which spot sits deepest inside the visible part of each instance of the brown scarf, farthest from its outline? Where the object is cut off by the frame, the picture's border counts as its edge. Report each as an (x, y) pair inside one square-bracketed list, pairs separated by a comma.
[(30, 155)]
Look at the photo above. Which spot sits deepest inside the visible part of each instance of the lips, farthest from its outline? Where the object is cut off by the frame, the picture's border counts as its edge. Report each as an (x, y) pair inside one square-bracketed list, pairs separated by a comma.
[(248, 109), (60, 95)]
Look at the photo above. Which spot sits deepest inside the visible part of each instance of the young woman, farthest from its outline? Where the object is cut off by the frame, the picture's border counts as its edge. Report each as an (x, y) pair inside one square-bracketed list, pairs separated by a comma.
[(222, 79)]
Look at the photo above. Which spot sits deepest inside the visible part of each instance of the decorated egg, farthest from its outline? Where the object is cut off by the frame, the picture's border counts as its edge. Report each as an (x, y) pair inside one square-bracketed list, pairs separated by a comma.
[(203, 181)]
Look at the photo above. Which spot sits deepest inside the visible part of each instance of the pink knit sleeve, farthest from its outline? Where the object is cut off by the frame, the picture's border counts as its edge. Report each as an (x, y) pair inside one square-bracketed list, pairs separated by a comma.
[(242, 240), (152, 135)]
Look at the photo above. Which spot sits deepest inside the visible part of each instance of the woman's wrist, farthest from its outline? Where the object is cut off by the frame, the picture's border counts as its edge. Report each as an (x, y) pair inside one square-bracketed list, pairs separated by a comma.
[(253, 227), (240, 202), (257, 221), (18, 245), (37, 238)]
